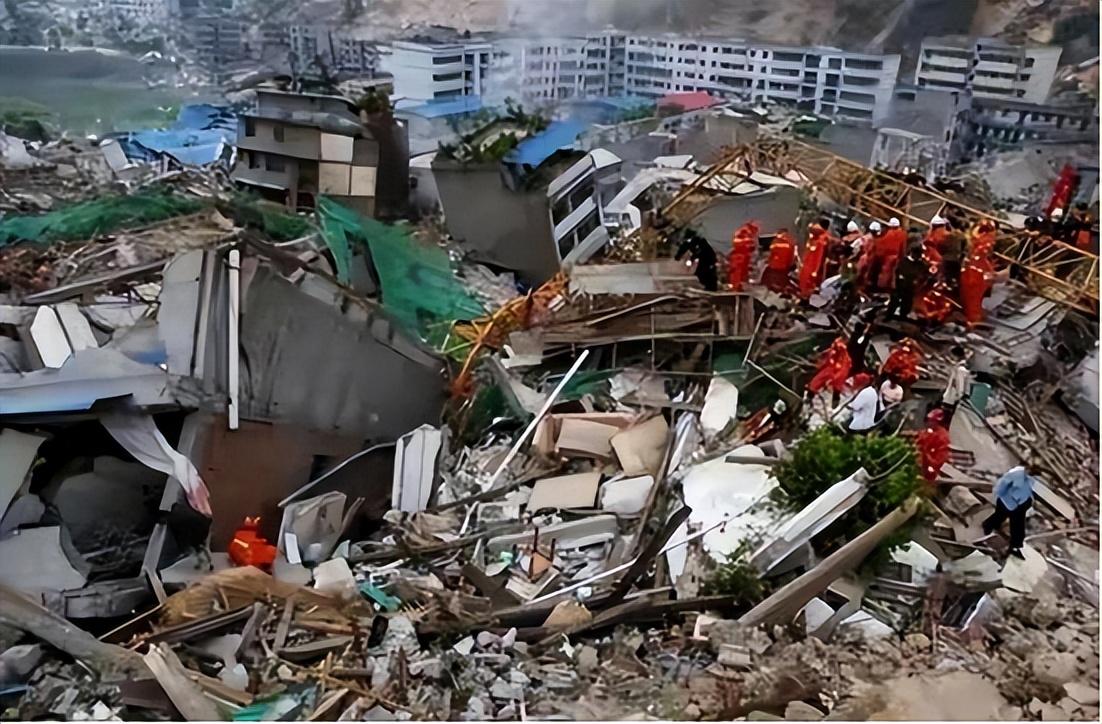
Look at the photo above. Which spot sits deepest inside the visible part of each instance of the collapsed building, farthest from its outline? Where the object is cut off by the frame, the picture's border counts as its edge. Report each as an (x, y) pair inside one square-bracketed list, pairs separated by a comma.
[(516, 462)]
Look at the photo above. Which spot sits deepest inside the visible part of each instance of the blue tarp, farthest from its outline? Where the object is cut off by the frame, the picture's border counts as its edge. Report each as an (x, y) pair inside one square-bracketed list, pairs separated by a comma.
[(197, 138), (450, 107), (606, 109), (533, 151)]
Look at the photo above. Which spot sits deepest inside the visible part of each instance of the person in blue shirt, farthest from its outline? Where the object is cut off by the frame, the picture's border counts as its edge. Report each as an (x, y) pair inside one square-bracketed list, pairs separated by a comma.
[(1013, 498)]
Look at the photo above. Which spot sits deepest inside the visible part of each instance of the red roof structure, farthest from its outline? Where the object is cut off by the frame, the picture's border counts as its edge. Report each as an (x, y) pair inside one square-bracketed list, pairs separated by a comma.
[(688, 101)]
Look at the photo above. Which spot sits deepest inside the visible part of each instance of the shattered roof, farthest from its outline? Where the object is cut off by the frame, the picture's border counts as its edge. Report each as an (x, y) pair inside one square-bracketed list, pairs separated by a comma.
[(536, 149), (450, 107), (695, 101)]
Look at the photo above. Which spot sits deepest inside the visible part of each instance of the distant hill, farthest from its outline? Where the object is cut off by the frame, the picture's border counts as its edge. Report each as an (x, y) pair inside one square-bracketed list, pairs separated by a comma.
[(889, 25)]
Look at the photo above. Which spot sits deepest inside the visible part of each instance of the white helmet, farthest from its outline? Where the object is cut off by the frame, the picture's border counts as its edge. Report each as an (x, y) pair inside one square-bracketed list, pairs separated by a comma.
[(874, 227), (852, 227), (1057, 213), (893, 222), (938, 220)]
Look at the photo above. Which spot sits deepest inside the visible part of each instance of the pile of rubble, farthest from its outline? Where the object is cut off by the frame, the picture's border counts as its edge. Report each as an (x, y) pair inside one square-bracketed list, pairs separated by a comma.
[(260, 466)]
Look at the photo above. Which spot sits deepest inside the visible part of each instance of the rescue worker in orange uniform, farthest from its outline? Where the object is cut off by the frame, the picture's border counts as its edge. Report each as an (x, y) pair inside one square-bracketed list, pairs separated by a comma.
[(811, 270), (889, 250), (902, 363), (976, 276), (932, 444), (935, 240), (975, 279), (841, 249), (1082, 226), (868, 243), (743, 244), (935, 304), (982, 238), (833, 370), (782, 259)]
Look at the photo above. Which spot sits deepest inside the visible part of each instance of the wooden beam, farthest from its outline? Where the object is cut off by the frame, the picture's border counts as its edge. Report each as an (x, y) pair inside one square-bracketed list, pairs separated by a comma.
[(786, 602)]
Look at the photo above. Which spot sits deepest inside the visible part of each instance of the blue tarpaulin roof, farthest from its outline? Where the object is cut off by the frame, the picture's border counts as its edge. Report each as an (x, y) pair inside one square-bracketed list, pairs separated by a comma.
[(534, 150), (196, 138), (450, 107)]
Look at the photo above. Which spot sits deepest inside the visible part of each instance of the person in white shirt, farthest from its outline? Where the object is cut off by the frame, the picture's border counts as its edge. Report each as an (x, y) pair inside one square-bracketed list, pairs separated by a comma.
[(890, 393), (864, 407)]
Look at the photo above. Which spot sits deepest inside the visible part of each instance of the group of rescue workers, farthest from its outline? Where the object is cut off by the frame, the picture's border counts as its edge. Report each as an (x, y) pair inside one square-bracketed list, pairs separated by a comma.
[(925, 275)]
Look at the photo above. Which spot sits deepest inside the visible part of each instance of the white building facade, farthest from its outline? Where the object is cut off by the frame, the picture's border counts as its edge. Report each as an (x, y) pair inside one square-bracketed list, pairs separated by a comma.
[(338, 50), (988, 68), (144, 11), (823, 80), (574, 67), (434, 71)]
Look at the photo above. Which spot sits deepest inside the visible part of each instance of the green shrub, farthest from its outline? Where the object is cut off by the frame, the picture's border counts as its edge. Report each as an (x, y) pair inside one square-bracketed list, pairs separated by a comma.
[(736, 577), (825, 457)]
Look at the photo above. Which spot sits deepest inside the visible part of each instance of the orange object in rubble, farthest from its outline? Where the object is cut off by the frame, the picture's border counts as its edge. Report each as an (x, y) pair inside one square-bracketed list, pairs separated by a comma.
[(249, 548)]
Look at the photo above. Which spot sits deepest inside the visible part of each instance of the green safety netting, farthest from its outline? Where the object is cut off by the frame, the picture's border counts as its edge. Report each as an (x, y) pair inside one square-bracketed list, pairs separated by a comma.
[(586, 382), (418, 284), (93, 218), (274, 220)]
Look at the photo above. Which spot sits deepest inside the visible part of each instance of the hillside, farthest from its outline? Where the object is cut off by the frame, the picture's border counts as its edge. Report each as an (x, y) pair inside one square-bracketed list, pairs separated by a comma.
[(891, 25)]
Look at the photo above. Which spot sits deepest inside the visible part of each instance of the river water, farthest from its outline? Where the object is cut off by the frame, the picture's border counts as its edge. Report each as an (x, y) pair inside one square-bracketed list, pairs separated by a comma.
[(90, 90)]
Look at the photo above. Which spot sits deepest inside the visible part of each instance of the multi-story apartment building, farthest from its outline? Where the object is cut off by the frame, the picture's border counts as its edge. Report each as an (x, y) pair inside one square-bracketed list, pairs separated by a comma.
[(339, 51), (824, 80), (578, 67), (297, 146), (988, 68), (1000, 124), (431, 71), (142, 11)]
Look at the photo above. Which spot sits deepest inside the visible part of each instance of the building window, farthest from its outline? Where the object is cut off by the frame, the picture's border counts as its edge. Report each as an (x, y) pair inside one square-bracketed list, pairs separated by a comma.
[(250, 126), (277, 134), (253, 159), (274, 163)]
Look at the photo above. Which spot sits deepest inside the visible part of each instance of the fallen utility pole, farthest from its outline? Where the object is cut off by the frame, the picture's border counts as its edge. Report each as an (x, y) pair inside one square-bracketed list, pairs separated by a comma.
[(786, 602)]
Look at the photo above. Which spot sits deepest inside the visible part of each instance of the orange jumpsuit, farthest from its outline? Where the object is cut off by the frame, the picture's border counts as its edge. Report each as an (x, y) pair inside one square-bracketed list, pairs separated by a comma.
[(935, 304), (742, 252), (933, 244), (889, 249), (977, 272), (902, 363), (782, 258), (933, 449), (974, 281), (834, 367), (811, 271)]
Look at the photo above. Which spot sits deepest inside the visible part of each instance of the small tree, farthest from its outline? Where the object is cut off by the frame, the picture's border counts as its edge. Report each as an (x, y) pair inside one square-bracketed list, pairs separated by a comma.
[(825, 457)]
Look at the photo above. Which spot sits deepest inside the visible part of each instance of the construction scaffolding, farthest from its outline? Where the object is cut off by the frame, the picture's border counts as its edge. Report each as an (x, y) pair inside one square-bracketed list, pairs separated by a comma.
[(1053, 269)]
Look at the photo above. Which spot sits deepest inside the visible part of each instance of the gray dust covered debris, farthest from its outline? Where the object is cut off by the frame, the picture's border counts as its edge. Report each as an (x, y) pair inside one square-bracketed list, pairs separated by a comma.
[(258, 464)]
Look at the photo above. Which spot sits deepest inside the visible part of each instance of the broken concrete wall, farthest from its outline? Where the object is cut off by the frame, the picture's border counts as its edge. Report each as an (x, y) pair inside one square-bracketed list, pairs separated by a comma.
[(295, 346), (246, 479), (497, 226), (773, 210)]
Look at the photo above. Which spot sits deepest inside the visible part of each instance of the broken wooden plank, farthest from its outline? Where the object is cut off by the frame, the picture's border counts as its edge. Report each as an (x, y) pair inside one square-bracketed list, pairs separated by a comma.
[(284, 626), (200, 627), (186, 695), (786, 602), (314, 649), (24, 614)]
